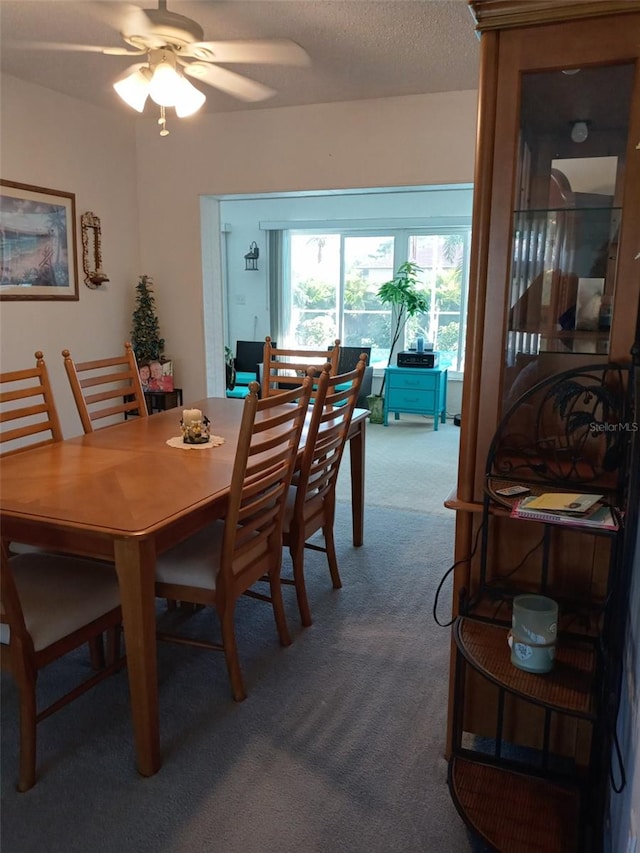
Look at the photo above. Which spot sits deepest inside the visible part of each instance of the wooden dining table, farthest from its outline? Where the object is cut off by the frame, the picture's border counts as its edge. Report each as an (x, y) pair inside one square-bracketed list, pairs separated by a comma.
[(124, 495)]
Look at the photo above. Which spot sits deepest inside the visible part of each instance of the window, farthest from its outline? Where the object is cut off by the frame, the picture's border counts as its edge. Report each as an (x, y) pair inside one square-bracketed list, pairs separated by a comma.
[(332, 277)]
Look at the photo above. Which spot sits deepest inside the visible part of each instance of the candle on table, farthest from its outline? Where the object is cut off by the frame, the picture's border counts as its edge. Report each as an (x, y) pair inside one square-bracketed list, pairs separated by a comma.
[(190, 416)]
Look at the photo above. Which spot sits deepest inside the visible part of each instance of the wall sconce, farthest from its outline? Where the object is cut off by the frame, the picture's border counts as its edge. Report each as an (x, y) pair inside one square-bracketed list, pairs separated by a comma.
[(579, 130), (92, 250), (251, 258)]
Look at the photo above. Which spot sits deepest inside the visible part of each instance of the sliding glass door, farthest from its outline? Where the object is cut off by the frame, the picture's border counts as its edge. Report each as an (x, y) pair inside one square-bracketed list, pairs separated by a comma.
[(443, 260), (332, 280)]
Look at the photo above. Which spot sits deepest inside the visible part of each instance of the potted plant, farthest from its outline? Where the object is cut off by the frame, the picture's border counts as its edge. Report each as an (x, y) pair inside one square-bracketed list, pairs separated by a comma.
[(401, 293)]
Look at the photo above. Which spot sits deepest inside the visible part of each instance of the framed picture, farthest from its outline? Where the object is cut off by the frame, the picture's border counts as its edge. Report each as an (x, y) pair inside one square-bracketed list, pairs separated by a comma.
[(156, 375), (38, 255)]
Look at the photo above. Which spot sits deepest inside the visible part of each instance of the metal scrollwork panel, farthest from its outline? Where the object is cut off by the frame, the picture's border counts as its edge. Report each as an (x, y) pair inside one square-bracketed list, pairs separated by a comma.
[(94, 275), (569, 429)]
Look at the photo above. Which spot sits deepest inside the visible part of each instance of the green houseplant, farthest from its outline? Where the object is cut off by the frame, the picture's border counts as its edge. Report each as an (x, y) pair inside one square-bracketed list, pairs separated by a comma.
[(401, 293)]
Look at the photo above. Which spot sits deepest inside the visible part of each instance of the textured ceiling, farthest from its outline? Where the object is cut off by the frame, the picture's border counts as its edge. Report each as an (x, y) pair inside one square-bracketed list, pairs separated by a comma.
[(359, 49)]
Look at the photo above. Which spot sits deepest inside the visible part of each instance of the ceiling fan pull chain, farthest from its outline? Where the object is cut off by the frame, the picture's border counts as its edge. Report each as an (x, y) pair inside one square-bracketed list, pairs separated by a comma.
[(162, 121)]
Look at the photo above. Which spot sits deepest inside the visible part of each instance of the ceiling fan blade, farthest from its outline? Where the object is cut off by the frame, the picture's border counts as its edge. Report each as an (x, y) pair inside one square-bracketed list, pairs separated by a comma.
[(121, 17), (254, 51), (229, 82), (83, 48)]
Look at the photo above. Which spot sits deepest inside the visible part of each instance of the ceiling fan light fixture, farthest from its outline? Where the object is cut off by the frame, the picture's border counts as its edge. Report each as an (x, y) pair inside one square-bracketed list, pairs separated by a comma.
[(164, 88), (189, 99), (175, 52), (134, 89)]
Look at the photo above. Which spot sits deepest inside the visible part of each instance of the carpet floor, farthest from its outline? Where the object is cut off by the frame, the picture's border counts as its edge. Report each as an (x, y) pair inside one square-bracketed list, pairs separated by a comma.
[(338, 747), (409, 465)]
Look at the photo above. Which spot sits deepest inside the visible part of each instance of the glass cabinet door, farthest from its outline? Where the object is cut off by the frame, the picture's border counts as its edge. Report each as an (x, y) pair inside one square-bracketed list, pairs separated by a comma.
[(570, 160)]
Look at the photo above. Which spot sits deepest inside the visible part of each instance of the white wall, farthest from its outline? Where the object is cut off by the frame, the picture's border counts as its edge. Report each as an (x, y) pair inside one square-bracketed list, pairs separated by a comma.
[(408, 141), (49, 140), (146, 190)]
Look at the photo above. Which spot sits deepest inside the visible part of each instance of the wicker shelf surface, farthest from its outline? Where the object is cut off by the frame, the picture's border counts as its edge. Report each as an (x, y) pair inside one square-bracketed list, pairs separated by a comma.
[(515, 813), (569, 687)]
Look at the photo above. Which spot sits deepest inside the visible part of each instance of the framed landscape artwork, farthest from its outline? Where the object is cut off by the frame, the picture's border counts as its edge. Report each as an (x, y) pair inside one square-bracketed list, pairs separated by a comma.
[(38, 258)]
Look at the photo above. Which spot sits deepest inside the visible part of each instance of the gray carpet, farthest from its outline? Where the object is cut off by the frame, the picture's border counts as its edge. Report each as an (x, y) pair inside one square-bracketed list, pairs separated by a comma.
[(408, 465), (338, 747)]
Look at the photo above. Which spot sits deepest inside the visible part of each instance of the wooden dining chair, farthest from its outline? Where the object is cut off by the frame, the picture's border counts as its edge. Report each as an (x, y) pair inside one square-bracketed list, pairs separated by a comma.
[(283, 369), (311, 503), (106, 387), (28, 416), (225, 560), (51, 604)]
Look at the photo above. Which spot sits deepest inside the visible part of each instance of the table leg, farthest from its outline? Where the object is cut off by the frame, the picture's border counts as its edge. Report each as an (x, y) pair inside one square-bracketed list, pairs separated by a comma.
[(356, 456), (443, 418), (135, 565)]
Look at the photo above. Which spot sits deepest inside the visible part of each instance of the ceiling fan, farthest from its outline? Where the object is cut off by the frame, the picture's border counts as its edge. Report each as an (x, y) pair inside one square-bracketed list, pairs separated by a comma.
[(174, 46)]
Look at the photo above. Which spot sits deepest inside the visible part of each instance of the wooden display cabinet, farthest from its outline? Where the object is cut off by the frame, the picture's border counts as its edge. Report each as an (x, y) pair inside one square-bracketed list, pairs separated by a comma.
[(531, 247), (554, 285)]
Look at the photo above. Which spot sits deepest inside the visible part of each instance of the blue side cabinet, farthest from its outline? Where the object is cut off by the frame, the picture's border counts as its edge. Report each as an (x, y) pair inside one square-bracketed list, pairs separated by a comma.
[(417, 390)]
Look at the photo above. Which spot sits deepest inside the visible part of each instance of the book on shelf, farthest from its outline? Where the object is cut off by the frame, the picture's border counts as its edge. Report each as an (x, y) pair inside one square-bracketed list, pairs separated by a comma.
[(599, 517), (565, 502)]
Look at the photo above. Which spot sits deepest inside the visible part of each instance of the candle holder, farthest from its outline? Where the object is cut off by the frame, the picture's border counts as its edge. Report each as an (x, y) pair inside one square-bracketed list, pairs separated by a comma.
[(195, 431)]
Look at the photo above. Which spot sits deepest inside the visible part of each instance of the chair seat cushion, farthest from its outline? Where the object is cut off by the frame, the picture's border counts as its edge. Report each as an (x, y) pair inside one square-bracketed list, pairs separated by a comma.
[(194, 562), (239, 392), (60, 594), (245, 377)]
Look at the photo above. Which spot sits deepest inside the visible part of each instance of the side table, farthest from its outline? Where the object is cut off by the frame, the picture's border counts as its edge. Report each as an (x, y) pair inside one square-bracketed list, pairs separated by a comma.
[(160, 401), (416, 390)]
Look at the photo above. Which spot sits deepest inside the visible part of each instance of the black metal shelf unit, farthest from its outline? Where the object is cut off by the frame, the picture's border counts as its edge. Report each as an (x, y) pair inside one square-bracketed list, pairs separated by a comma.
[(564, 434)]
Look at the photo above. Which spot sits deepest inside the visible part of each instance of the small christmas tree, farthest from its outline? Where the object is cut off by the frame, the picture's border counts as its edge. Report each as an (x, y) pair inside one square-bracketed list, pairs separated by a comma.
[(145, 335)]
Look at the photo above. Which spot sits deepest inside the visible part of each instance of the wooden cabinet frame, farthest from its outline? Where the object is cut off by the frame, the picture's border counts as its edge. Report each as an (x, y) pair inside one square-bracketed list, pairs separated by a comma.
[(517, 38)]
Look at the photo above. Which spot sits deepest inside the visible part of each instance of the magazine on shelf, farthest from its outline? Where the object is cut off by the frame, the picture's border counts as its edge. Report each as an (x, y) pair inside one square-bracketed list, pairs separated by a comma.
[(565, 502), (599, 517)]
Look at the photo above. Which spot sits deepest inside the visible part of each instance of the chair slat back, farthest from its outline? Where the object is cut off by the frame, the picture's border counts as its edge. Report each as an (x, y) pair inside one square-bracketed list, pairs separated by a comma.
[(105, 387), (335, 398), (284, 369), (28, 416), (265, 459)]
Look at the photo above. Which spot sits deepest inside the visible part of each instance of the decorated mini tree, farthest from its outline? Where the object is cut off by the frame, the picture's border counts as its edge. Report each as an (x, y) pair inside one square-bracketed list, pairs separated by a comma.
[(145, 335)]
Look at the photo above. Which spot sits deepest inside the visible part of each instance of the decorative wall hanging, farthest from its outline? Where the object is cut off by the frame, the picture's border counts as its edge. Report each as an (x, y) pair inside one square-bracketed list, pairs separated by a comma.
[(251, 258), (94, 275), (38, 257)]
